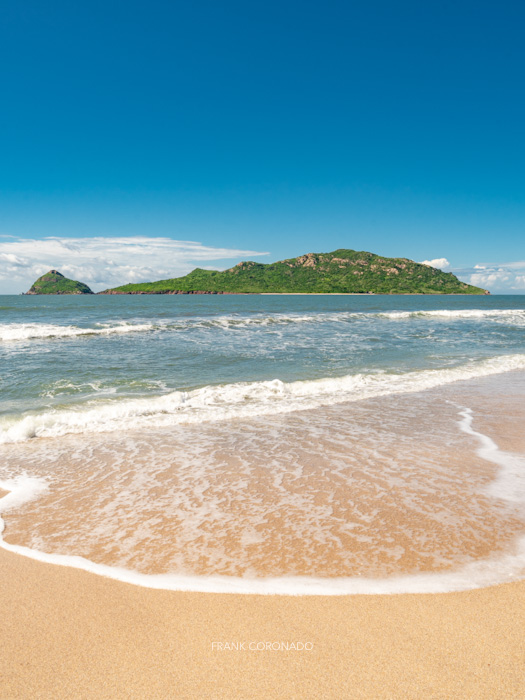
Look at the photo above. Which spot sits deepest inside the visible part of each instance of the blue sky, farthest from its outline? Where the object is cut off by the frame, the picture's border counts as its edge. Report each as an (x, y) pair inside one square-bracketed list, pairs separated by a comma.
[(260, 127)]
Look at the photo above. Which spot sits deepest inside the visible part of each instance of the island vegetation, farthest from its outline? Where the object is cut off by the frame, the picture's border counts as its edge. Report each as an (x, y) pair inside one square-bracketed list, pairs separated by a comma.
[(53, 282), (341, 271)]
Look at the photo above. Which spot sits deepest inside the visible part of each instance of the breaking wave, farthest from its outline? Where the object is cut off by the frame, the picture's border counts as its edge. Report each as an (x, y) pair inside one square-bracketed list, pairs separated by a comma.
[(39, 331), (238, 400), (513, 315), (29, 331)]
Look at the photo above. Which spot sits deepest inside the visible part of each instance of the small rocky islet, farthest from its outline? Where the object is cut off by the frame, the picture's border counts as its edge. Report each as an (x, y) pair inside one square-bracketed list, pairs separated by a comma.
[(53, 282)]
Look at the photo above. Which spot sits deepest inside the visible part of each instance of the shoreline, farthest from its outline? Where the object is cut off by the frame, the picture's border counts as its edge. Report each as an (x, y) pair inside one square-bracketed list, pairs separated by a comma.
[(282, 294), (72, 633), (488, 569)]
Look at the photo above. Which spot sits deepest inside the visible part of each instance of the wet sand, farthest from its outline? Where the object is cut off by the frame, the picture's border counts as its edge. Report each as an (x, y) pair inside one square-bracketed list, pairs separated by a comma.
[(381, 487), (70, 634)]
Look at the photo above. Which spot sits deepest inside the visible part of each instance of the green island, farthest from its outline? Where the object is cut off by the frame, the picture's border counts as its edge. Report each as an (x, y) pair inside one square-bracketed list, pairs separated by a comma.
[(53, 282), (343, 271)]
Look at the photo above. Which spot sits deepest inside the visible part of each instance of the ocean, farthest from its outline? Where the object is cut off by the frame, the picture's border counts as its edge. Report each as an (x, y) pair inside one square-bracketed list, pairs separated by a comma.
[(265, 443)]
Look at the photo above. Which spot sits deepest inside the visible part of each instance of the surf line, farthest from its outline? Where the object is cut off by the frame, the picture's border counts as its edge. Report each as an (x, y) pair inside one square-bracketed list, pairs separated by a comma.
[(241, 400), (509, 484)]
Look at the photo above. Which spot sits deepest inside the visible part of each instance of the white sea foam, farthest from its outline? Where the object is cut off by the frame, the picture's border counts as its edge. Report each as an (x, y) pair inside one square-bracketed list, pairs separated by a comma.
[(20, 490), (509, 484), (99, 388), (476, 574), (239, 400), (514, 315), (29, 331), (40, 331)]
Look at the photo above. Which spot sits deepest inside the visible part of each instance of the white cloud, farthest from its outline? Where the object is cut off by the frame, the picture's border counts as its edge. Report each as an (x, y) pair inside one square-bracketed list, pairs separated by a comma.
[(500, 279), (496, 277), (103, 262), (506, 277), (440, 263)]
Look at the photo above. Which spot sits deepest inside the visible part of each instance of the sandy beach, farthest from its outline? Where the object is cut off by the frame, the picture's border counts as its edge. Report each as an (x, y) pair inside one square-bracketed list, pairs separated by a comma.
[(67, 633)]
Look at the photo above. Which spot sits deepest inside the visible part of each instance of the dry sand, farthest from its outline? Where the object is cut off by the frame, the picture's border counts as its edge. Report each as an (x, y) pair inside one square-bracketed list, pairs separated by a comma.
[(70, 634)]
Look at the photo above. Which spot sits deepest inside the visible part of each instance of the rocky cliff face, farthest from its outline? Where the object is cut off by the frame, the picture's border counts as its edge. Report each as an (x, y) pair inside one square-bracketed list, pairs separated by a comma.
[(53, 282), (164, 291)]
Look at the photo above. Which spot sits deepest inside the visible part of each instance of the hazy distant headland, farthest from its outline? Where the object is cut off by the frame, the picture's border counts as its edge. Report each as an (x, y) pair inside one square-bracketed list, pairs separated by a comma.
[(342, 271)]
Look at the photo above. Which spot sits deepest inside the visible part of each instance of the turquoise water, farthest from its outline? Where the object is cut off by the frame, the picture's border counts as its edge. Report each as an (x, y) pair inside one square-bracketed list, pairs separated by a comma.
[(186, 354)]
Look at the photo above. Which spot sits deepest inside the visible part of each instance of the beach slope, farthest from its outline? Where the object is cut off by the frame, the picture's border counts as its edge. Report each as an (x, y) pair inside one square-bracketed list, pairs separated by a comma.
[(67, 633)]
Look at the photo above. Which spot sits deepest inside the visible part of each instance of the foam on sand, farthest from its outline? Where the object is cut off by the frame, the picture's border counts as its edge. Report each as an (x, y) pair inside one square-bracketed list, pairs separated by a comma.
[(508, 486)]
